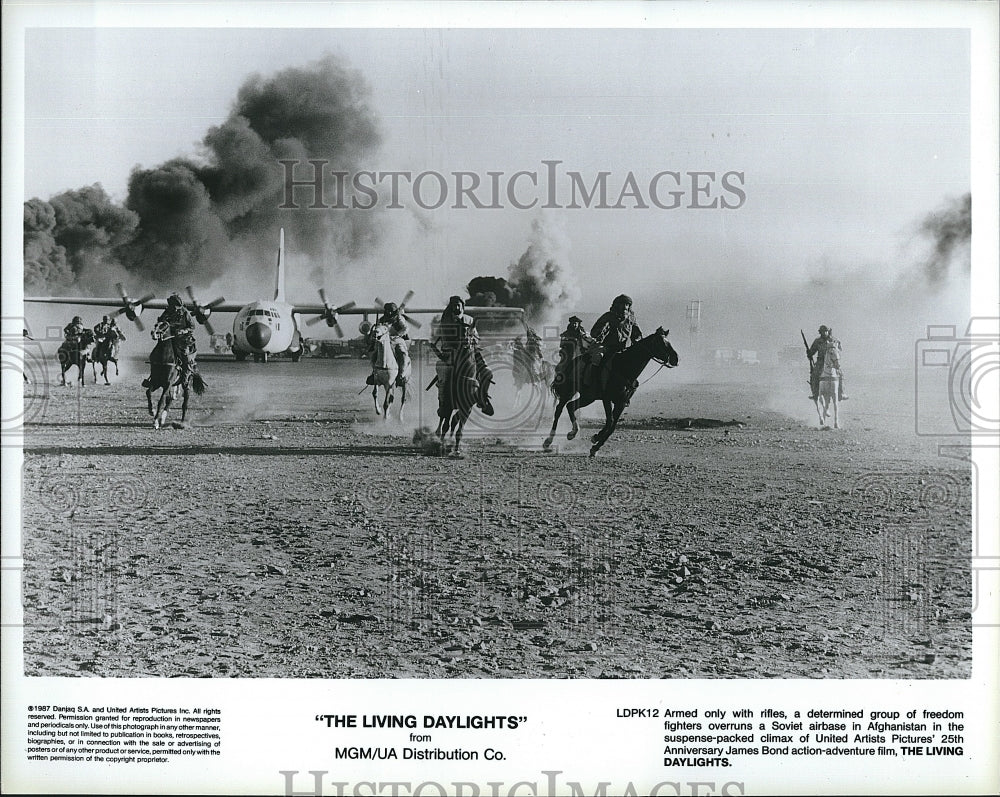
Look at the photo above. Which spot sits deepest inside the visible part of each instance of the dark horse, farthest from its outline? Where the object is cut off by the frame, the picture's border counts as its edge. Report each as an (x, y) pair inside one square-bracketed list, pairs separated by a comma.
[(461, 391), (165, 375), (106, 351), (76, 353), (623, 373)]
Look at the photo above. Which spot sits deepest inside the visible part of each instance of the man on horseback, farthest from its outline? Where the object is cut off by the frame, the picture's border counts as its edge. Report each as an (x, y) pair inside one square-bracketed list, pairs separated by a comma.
[(614, 331), (107, 331), (826, 349), (458, 331), (73, 332), (182, 326), (399, 334), (573, 342)]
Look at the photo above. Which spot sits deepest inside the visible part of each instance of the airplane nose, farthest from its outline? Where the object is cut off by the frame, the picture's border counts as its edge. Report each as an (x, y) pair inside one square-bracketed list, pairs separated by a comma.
[(258, 335)]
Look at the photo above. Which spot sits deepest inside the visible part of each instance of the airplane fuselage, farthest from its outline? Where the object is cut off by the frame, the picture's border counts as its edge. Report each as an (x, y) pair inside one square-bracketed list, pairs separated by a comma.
[(265, 327)]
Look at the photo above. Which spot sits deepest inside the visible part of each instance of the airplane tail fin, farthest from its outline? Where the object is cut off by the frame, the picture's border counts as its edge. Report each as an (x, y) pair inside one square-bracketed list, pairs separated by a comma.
[(279, 287)]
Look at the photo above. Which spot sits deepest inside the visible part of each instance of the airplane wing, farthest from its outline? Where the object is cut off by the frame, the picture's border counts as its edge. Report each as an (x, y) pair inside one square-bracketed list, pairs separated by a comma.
[(475, 312), (153, 304), (105, 301)]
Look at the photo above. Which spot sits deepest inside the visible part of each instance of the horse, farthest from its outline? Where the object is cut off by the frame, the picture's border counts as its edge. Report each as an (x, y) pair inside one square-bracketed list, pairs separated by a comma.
[(615, 391), (829, 390), (459, 390), (166, 375), (529, 367), (386, 371), (76, 353), (106, 351)]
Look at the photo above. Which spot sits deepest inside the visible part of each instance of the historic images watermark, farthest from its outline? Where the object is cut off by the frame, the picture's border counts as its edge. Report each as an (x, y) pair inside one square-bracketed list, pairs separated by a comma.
[(551, 782), (310, 184)]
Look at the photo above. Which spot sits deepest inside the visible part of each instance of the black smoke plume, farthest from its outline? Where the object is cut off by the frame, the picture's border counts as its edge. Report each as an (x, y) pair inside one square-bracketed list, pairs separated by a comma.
[(490, 292), (193, 219), (949, 230), (72, 238), (540, 281)]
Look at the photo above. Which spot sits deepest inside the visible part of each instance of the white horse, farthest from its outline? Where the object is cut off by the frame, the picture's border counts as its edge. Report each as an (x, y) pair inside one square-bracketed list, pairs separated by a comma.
[(829, 389), (386, 371)]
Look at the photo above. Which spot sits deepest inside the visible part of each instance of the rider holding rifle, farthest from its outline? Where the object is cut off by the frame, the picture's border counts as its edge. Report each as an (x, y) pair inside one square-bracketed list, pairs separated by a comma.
[(824, 347)]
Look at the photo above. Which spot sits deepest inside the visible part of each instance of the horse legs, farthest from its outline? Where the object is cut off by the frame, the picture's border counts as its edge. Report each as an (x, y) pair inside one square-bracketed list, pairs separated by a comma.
[(555, 422), (612, 421), (819, 411), (571, 408), (402, 398), (149, 400), (184, 404), (104, 372), (388, 400), (375, 398), (836, 405), (162, 406), (457, 425)]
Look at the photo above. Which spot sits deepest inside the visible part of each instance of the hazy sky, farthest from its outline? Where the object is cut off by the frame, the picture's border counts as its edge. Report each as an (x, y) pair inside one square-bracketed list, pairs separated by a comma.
[(846, 139)]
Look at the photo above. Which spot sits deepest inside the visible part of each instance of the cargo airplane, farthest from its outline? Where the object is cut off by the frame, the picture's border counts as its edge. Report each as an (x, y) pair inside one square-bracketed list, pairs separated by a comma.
[(266, 327)]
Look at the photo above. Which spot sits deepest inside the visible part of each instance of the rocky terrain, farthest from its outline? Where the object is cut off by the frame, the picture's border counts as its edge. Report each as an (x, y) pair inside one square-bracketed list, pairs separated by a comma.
[(285, 531)]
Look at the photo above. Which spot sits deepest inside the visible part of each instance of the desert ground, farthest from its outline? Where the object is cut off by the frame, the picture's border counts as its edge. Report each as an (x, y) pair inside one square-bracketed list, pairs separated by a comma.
[(284, 530)]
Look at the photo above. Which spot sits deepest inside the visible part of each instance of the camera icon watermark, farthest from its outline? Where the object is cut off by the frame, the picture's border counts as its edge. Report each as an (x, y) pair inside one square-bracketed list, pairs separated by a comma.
[(957, 380), (23, 363)]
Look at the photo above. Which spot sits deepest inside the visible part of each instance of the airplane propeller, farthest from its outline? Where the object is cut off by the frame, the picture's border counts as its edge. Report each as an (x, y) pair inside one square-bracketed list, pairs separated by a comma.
[(132, 308), (329, 314), (402, 306), (203, 311)]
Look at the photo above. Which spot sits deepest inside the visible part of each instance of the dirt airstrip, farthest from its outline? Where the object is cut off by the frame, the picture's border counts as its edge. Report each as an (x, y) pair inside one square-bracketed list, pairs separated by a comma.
[(284, 531)]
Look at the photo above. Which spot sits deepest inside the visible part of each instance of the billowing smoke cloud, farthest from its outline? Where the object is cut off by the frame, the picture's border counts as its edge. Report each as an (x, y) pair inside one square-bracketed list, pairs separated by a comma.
[(490, 292), (950, 231), (193, 219), (45, 266), (73, 237), (541, 280)]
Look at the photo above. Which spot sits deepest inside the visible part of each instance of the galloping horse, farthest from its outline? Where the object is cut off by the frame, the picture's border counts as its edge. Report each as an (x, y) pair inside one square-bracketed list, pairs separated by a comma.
[(78, 354), (616, 392), (829, 389), (165, 374), (386, 372), (459, 392), (106, 351)]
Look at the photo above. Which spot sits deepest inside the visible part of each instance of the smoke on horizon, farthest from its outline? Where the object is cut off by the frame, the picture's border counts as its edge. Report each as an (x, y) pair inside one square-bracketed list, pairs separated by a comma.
[(196, 219)]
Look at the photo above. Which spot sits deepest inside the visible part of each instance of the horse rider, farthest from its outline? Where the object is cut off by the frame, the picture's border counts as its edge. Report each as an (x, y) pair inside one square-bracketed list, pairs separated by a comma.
[(182, 326), (108, 330), (399, 335), (823, 347), (457, 331), (613, 332), (573, 342), (73, 332)]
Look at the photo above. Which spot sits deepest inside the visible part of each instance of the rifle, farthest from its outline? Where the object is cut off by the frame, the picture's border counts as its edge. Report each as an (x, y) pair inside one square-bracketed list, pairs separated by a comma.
[(808, 355), (441, 356)]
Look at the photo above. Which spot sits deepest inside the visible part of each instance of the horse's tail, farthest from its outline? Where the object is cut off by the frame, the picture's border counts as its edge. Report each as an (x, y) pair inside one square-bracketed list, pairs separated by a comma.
[(197, 384)]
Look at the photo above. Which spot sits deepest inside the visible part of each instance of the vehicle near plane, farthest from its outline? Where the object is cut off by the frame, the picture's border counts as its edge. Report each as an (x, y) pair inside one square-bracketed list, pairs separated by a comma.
[(270, 326)]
